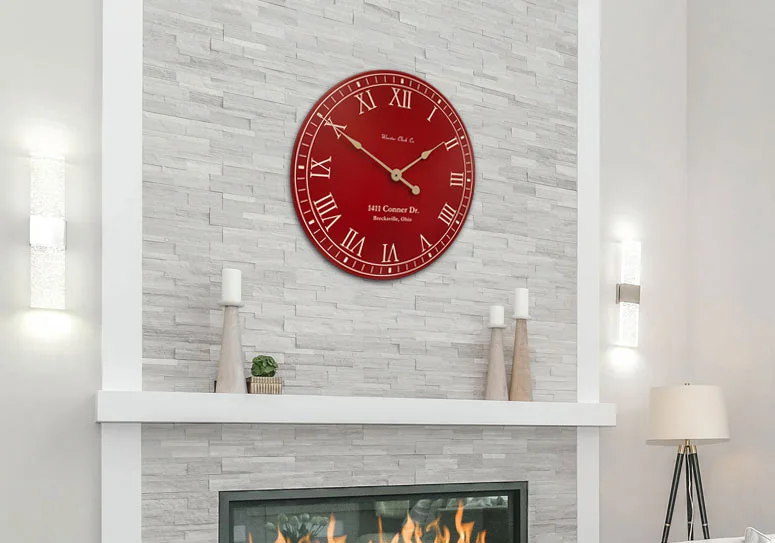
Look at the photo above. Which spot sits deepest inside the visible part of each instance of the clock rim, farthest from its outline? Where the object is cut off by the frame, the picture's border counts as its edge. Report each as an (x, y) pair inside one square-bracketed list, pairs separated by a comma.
[(300, 215)]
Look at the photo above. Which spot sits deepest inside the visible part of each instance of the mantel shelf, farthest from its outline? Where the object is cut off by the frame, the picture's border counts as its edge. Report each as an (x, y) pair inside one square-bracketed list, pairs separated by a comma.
[(188, 407)]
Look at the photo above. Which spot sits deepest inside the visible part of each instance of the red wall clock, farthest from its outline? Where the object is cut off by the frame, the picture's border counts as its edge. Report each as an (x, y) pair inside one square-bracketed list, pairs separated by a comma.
[(382, 174)]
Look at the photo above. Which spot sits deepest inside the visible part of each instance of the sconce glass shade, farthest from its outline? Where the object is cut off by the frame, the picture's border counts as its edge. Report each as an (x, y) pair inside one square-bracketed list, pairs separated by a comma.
[(629, 312), (629, 321), (47, 232), (47, 186), (630, 269), (47, 278)]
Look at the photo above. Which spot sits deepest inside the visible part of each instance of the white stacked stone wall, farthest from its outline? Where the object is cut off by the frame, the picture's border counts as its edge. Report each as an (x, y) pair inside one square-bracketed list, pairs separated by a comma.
[(226, 85)]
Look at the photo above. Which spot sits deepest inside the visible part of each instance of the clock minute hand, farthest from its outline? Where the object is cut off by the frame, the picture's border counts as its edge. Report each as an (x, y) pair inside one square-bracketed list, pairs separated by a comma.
[(423, 156), (395, 174), (339, 131), (360, 147)]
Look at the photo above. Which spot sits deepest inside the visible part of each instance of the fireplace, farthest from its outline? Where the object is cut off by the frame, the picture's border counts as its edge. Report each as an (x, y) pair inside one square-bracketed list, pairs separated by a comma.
[(447, 513)]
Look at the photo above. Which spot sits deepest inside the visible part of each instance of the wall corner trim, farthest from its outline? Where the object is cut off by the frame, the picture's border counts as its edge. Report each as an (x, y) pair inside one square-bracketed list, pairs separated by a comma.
[(121, 341), (589, 262)]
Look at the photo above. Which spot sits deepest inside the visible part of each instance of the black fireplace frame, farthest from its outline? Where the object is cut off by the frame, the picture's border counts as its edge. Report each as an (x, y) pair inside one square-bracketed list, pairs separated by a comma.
[(517, 506)]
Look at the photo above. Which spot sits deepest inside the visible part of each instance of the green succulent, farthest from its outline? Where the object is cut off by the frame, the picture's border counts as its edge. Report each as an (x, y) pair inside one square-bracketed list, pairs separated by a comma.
[(263, 366)]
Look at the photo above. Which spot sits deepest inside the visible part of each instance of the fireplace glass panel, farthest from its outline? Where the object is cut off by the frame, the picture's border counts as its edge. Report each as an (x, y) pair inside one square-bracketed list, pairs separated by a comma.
[(466, 513)]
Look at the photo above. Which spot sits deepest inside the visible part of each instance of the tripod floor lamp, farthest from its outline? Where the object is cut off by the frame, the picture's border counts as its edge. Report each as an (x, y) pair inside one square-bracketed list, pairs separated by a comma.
[(684, 416)]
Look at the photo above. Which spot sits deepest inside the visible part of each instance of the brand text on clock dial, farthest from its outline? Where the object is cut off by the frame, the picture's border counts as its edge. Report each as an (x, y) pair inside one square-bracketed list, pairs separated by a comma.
[(399, 139)]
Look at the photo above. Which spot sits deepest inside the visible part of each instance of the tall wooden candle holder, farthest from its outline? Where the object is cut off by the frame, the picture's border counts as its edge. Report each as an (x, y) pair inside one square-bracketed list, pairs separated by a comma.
[(521, 386), (231, 364)]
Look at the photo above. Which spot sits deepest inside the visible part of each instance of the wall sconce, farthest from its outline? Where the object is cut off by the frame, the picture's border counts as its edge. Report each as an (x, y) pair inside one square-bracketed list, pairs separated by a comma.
[(628, 294), (47, 232)]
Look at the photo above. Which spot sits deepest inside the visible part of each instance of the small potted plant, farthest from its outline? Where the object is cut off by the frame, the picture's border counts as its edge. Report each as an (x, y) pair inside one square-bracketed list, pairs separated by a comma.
[(262, 376)]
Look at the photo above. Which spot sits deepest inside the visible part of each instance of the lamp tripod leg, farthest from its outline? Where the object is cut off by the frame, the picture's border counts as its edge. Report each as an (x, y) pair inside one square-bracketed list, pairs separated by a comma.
[(689, 494), (679, 459), (695, 461)]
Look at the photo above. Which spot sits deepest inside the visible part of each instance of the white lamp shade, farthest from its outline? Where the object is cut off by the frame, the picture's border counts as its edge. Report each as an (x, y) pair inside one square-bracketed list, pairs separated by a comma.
[(693, 412)]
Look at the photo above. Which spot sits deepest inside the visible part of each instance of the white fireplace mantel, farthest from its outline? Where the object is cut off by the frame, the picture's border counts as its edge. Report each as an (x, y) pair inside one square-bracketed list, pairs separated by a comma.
[(189, 407)]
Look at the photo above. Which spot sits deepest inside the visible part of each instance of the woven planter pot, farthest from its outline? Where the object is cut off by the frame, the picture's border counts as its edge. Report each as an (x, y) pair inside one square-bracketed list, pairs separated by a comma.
[(265, 385)]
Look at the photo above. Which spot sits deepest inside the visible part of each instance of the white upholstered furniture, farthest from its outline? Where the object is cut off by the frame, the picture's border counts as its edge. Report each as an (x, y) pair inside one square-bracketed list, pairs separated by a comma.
[(724, 540)]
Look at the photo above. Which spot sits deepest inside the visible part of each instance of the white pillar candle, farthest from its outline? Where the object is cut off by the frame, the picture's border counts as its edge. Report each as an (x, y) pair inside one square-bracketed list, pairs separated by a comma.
[(231, 286), (496, 316), (521, 303)]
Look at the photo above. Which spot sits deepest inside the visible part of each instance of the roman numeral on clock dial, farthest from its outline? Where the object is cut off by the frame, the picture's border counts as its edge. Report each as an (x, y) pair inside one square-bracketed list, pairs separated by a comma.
[(446, 214), (367, 103), (338, 128), (401, 98), (326, 206), (353, 242), (321, 169), (451, 144), (424, 243), (389, 255), (456, 179)]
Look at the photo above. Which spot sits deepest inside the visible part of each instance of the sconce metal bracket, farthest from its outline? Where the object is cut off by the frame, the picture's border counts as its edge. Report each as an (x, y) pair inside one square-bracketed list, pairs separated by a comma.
[(627, 293)]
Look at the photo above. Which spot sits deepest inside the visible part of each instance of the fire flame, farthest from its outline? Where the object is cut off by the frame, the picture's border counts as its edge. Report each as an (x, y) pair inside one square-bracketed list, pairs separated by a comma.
[(411, 532), (464, 529), (379, 524), (330, 532), (408, 530), (417, 534), (442, 532)]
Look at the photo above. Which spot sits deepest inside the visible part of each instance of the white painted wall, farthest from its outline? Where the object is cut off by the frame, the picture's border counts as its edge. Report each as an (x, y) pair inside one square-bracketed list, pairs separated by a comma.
[(732, 237), (49, 53), (643, 196)]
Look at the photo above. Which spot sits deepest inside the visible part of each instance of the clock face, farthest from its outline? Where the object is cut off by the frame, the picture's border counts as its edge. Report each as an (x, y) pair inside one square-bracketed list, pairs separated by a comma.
[(382, 174)]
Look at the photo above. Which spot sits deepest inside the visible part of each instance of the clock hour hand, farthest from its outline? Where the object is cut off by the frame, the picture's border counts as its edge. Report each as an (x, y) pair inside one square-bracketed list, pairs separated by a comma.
[(395, 174), (423, 156)]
